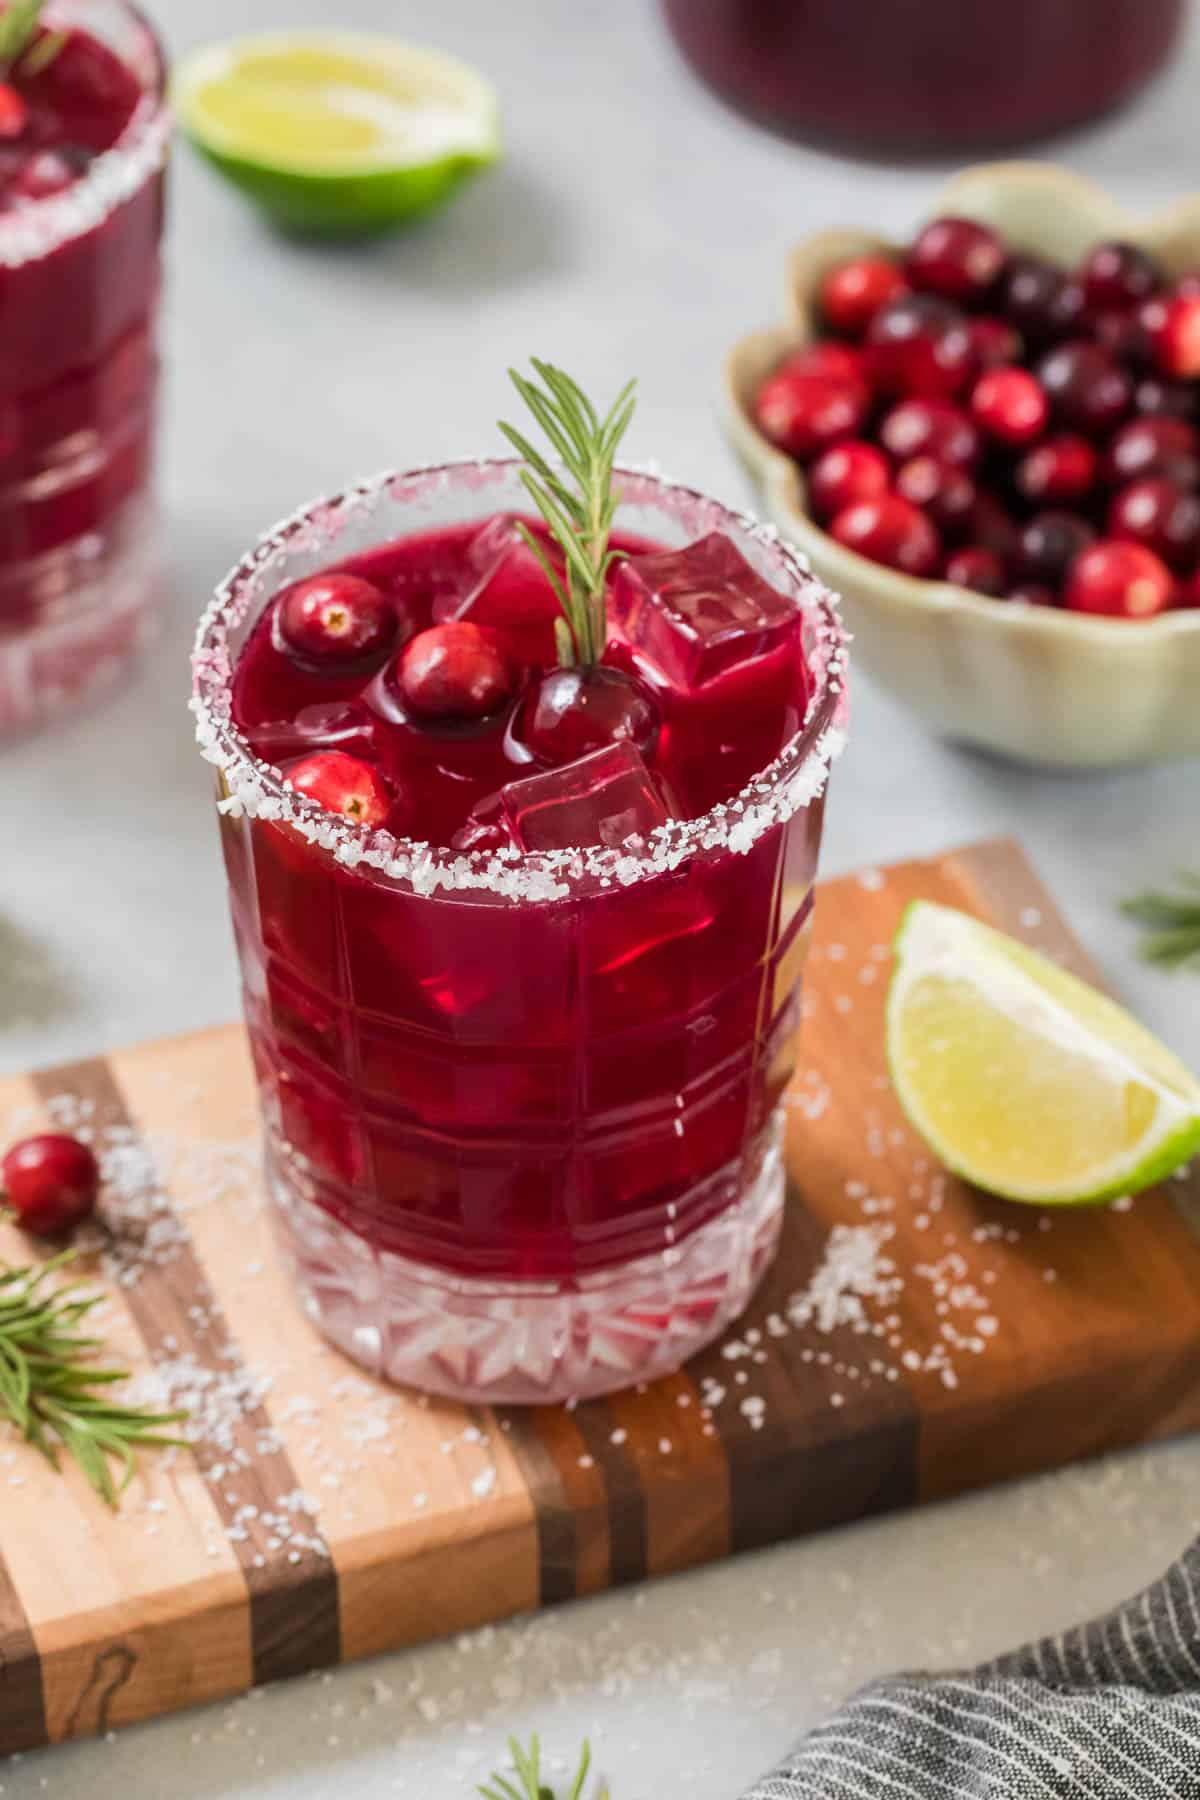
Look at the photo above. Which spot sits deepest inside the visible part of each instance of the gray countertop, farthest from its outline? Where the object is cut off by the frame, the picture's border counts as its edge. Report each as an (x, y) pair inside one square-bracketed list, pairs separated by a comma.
[(635, 226)]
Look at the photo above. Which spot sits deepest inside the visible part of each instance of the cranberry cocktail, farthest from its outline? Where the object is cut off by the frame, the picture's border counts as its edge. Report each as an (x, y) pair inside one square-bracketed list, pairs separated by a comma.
[(83, 136), (521, 910)]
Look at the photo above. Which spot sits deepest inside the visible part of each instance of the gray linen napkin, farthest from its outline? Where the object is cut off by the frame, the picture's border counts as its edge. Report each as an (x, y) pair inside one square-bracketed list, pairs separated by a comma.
[(1106, 1711)]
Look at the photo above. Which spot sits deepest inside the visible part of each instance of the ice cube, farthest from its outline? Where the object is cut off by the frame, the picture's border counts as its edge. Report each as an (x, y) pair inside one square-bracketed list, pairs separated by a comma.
[(602, 799), (330, 725), (508, 590), (699, 611)]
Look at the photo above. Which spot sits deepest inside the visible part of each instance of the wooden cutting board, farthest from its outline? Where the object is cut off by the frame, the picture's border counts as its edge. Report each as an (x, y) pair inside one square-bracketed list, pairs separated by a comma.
[(913, 1340)]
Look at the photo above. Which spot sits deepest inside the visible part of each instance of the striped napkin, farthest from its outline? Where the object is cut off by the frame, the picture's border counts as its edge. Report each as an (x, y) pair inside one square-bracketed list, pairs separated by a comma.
[(1106, 1711)]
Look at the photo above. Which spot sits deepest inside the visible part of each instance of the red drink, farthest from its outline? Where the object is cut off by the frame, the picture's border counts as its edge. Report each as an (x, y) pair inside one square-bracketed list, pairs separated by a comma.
[(81, 163), (521, 1095)]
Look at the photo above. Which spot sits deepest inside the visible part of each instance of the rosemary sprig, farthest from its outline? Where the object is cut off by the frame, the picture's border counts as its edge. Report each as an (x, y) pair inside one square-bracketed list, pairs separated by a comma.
[(18, 28), (1173, 921), (527, 1765), (580, 518), (53, 1392)]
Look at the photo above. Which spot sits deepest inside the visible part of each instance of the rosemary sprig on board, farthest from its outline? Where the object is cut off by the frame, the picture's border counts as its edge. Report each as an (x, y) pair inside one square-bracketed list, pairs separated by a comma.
[(527, 1767), (1173, 924), (52, 1391)]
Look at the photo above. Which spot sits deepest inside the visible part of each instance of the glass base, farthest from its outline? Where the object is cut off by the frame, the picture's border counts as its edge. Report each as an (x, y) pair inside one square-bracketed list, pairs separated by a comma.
[(530, 1343), (91, 607)]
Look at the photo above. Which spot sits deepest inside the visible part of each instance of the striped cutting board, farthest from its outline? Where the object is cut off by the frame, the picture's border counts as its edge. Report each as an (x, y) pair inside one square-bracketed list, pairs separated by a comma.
[(913, 1340)]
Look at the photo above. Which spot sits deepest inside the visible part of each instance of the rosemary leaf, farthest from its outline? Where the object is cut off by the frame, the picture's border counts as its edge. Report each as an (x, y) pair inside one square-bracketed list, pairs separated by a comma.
[(528, 1767), (1173, 938)]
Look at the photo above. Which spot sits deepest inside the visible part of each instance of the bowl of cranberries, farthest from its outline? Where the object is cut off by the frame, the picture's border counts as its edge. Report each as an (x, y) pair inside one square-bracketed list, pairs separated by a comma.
[(988, 441)]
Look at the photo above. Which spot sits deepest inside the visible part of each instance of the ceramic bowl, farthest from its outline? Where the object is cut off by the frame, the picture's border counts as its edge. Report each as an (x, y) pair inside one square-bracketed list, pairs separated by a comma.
[(1034, 683)]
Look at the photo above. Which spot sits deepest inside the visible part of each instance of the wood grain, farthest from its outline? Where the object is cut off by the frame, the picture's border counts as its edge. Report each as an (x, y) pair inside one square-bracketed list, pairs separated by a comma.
[(328, 1517)]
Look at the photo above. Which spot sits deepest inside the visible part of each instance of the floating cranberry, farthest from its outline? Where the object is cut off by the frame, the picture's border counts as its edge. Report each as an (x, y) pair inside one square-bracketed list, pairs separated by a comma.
[(1032, 593), (343, 784), (455, 671), (845, 474), (51, 1182), (976, 568), (1124, 581), (995, 342), (1009, 405), (956, 258), (1049, 543), (1160, 515), (1172, 325), (568, 713), (1086, 389), (14, 114), (337, 622), (1164, 446), (805, 413), (1155, 398), (892, 531), (993, 528), (946, 493), (930, 428), (1032, 297), (1059, 468), (854, 292), (920, 344), (1119, 276)]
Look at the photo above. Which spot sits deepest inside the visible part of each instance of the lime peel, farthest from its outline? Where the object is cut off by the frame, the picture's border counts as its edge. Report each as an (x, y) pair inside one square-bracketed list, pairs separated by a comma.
[(1025, 1080)]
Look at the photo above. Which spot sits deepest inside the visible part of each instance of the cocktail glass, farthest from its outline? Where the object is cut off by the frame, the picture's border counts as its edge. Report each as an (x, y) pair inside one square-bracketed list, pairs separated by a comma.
[(522, 1111)]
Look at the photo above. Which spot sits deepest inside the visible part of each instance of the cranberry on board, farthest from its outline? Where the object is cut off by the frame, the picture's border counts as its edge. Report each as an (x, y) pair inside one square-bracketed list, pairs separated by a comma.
[(892, 531), (1009, 405), (921, 344), (343, 784), (1117, 276), (940, 489), (336, 621), (805, 413), (1049, 543), (1163, 446), (957, 258), (976, 568), (1087, 390), (1160, 515), (50, 1182), (568, 713), (853, 292), (1123, 581), (452, 672), (850, 471), (1059, 468), (1172, 325), (930, 428)]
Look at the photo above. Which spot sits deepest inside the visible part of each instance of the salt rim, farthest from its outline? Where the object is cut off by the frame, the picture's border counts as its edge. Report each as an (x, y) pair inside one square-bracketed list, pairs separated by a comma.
[(114, 177), (254, 788)]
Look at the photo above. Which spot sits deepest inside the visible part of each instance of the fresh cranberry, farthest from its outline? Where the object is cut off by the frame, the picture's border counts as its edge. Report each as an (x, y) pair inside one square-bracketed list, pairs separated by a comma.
[(1009, 405), (1033, 298), (1187, 593), (994, 342), (343, 784), (920, 344), (947, 494), (957, 258), (1059, 468), (1067, 311), (1032, 593), (14, 114), (930, 428), (993, 529), (1160, 515), (1086, 389), (892, 531), (1049, 543), (805, 413), (45, 174), (453, 671), (568, 713), (1163, 446), (1123, 336), (845, 474), (853, 293), (976, 568), (338, 622), (1119, 276), (51, 1182), (836, 362), (1155, 398), (1124, 581), (1172, 325)]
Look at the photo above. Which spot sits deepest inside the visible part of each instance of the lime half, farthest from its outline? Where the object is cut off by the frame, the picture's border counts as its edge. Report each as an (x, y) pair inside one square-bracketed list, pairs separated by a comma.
[(338, 133), (1024, 1079)]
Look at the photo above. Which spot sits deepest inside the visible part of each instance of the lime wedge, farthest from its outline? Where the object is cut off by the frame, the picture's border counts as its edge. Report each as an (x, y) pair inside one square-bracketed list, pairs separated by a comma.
[(1022, 1078), (338, 133)]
